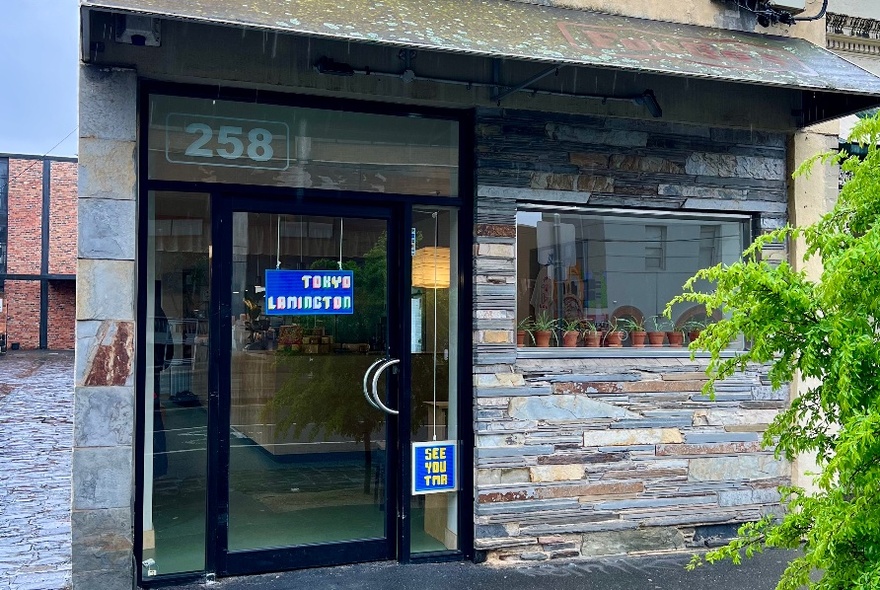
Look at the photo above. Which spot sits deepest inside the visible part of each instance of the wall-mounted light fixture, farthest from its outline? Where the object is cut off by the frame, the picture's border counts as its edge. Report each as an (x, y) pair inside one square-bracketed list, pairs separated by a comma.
[(647, 99)]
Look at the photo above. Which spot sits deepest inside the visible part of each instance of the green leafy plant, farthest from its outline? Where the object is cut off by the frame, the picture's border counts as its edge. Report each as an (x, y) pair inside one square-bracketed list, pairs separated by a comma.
[(589, 327), (527, 325), (571, 325), (631, 324), (662, 323), (542, 325), (544, 322), (826, 332), (693, 325)]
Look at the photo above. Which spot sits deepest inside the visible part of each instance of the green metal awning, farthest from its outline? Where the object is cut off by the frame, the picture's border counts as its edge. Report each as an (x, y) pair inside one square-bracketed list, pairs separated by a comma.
[(516, 30)]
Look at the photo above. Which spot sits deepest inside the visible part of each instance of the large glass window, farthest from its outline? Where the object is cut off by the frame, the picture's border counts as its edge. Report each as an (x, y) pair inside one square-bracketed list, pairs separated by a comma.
[(176, 385), (195, 139), (609, 275)]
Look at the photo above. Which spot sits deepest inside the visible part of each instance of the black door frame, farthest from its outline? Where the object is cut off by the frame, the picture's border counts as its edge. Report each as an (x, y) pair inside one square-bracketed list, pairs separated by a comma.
[(465, 205), (226, 204)]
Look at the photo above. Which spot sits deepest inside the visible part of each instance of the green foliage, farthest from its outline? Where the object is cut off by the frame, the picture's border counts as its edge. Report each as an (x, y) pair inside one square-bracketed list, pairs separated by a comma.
[(589, 327), (828, 332), (544, 321), (631, 324), (370, 280), (662, 324)]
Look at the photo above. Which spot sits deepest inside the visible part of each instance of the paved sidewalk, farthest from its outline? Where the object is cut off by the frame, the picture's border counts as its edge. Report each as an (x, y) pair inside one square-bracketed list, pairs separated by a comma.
[(36, 436), (632, 573)]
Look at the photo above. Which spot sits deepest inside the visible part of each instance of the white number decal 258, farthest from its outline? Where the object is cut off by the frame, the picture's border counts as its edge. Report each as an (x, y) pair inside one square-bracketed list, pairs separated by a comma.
[(259, 146)]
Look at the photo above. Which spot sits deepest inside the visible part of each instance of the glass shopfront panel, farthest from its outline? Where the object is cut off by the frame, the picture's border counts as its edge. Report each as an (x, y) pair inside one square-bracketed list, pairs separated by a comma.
[(307, 451), (434, 351), (176, 384), (218, 141)]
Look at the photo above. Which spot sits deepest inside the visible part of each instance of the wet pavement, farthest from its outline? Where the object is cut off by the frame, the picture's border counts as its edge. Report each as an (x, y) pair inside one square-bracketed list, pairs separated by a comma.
[(664, 572), (36, 438)]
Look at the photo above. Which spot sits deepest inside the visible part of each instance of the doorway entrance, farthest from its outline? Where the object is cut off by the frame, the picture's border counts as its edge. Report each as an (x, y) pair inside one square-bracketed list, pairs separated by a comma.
[(299, 351), (301, 282)]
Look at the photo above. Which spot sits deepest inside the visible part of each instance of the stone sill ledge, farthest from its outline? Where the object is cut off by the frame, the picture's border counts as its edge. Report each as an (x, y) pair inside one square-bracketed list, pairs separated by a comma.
[(579, 352)]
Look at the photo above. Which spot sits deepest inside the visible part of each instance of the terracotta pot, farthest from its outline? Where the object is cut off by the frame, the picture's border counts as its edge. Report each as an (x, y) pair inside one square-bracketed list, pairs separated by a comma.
[(520, 338), (542, 338), (592, 339), (656, 338), (693, 335), (570, 338), (614, 339), (675, 338), (638, 338)]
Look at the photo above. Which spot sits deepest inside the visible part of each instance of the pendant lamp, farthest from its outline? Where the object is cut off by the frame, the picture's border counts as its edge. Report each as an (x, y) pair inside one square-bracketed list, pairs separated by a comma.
[(430, 268)]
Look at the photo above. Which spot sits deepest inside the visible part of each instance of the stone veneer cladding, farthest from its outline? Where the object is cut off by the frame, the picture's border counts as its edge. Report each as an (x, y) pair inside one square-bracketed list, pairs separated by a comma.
[(103, 475), (593, 456)]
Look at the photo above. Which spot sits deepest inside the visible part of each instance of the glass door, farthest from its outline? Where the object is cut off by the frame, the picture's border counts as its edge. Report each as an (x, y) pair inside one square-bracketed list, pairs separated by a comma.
[(312, 424)]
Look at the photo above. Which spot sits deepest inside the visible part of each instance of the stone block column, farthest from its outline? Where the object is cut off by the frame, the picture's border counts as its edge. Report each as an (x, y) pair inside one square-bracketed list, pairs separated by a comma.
[(810, 197), (103, 473)]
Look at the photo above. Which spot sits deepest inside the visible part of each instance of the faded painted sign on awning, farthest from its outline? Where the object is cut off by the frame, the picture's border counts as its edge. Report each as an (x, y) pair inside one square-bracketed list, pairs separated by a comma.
[(507, 29)]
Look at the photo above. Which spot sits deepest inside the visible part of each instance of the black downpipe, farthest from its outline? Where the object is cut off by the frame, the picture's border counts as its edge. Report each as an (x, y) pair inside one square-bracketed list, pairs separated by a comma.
[(802, 19), (44, 255)]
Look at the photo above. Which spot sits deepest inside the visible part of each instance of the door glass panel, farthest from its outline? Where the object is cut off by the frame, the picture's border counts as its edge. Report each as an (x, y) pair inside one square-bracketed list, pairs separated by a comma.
[(176, 386), (434, 350), (308, 453)]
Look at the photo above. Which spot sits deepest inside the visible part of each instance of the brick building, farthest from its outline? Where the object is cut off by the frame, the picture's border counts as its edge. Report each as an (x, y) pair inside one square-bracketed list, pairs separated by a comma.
[(38, 250)]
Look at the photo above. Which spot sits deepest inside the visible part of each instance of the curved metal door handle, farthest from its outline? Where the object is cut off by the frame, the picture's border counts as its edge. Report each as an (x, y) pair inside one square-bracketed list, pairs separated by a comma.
[(366, 378), (376, 375)]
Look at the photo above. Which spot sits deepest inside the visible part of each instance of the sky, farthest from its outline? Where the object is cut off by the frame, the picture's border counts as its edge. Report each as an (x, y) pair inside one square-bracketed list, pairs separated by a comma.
[(39, 42)]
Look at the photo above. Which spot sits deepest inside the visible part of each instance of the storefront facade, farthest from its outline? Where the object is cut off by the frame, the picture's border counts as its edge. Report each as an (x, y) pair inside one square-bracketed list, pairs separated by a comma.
[(297, 310)]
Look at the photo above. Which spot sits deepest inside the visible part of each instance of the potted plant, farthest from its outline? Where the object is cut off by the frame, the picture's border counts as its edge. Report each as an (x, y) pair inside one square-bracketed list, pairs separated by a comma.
[(694, 327), (636, 329), (570, 332), (544, 327), (592, 335), (523, 328), (675, 335), (615, 335), (658, 334)]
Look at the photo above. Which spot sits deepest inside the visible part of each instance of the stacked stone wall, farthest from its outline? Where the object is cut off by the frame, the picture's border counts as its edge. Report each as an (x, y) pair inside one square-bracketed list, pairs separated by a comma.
[(589, 455), (103, 468)]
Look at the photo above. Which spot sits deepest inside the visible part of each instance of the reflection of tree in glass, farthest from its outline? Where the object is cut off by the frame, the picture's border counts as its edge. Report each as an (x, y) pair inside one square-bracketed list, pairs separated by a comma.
[(321, 394), (370, 284)]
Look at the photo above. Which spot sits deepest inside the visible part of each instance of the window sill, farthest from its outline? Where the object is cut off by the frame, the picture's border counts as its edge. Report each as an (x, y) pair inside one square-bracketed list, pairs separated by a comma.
[(561, 352)]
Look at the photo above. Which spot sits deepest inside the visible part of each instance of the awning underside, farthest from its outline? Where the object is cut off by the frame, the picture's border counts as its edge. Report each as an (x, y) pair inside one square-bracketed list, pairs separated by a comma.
[(507, 29)]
